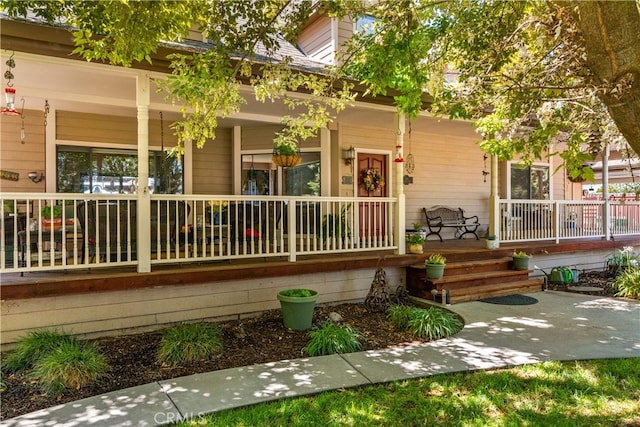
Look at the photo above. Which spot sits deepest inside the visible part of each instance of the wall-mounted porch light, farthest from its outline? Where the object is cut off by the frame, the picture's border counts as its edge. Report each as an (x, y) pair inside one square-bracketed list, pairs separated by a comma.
[(36, 177), (349, 155)]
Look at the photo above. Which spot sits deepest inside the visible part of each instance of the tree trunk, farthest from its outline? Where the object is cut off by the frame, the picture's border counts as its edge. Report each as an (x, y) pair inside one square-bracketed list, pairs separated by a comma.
[(611, 31)]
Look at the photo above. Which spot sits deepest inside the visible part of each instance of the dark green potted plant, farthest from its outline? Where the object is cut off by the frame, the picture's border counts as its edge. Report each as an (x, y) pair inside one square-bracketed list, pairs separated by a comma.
[(521, 260), (434, 266), (297, 307)]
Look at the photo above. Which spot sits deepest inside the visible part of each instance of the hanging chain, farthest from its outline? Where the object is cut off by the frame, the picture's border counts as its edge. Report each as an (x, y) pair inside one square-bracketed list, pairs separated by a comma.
[(46, 111), (11, 63), (485, 172), (409, 164)]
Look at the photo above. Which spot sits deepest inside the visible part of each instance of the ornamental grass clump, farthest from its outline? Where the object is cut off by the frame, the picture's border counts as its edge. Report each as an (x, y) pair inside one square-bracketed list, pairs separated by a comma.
[(627, 283), (34, 347), (69, 365), (399, 315), (331, 338), (431, 323), (189, 343)]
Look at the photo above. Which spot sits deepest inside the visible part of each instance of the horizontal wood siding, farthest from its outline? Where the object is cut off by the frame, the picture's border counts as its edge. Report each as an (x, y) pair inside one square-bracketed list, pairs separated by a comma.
[(261, 138), (74, 126), (111, 313), (345, 31), (448, 171), (212, 171), (316, 42), (22, 158)]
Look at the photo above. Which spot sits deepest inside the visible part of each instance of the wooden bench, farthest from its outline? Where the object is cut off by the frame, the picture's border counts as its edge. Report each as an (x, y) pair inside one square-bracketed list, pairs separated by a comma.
[(439, 217)]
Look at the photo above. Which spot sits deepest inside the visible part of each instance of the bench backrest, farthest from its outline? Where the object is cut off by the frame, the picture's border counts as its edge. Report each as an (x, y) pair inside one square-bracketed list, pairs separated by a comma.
[(444, 213)]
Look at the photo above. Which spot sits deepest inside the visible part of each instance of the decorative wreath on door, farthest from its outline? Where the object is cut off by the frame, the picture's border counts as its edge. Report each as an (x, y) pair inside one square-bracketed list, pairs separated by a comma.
[(371, 179)]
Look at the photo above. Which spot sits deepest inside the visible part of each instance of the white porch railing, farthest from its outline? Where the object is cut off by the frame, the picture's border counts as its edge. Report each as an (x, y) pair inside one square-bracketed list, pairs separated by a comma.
[(531, 220), (102, 230)]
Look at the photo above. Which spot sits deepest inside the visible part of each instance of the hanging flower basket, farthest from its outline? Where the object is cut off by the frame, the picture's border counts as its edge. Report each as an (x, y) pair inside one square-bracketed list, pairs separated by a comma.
[(286, 160), (371, 179)]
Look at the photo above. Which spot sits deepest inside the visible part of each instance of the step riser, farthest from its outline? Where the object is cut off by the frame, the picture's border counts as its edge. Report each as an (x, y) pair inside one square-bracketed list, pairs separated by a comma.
[(479, 282), (472, 277), (452, 270)]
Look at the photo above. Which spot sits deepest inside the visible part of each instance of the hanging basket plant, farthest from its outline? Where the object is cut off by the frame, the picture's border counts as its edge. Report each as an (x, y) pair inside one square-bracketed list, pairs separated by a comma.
[(286, 155), (371, 180), (582, 175)]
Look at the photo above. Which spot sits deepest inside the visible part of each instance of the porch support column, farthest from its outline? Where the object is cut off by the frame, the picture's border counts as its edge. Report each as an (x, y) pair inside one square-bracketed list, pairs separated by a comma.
[(143, 208), (399, 213), (236, 155), (606, 220), (325, 162), (494, 197)]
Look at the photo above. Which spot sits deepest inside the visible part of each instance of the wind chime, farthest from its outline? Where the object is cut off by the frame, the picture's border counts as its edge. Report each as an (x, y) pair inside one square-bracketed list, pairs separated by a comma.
[(409, 164), (485, 172), (252, 181)]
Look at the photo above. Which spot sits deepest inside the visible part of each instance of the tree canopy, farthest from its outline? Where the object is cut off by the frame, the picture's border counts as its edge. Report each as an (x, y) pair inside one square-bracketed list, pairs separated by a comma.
[(530, 73)]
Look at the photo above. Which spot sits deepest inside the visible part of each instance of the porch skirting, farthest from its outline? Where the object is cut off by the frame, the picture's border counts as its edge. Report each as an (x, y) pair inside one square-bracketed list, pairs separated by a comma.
[(99, 314)]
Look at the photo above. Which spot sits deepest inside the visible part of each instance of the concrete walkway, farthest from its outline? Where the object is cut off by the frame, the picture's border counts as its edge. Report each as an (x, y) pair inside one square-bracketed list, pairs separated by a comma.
[(561, 326)]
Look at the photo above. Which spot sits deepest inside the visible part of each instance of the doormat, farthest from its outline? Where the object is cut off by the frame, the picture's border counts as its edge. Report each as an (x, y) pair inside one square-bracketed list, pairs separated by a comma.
[(515, 299)]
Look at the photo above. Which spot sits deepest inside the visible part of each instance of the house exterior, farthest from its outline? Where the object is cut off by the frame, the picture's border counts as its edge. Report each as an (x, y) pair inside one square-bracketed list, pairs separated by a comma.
[(77, 114)]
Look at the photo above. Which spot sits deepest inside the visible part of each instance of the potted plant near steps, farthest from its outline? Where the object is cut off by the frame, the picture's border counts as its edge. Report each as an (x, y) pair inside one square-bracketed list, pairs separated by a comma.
[(297, 307), (434, 265), (521, 260), (415, 243), (491, 241), (286, 154), (51, 217)]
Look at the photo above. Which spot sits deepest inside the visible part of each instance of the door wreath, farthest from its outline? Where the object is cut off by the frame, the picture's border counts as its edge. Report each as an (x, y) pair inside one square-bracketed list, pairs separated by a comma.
[(371, 179)]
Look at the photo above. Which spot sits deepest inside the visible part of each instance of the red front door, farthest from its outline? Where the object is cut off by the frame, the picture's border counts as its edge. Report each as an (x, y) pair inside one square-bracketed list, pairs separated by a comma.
[(372, 214)]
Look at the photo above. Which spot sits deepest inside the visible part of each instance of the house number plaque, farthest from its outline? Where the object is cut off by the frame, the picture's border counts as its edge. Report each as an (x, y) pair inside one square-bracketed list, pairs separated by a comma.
[(11, 176)]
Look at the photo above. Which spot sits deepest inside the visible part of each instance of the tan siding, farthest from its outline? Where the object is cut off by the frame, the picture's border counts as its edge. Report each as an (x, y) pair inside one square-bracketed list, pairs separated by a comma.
[(73, 126), (345, 31), (118, 312), (261, 138), (448, 171), (315, 41), (22, 158), (212, 165)]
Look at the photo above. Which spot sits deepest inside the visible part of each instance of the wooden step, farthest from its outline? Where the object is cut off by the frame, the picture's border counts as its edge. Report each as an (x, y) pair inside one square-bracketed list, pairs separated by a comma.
[(478, 279), (474, 294), (472, 279)]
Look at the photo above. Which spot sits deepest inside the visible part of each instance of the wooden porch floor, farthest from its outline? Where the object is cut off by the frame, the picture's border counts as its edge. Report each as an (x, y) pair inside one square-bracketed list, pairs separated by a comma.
[(47, 284)]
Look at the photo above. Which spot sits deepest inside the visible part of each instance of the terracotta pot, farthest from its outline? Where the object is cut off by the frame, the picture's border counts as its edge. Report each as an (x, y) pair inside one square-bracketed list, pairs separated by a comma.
[(47, 224)]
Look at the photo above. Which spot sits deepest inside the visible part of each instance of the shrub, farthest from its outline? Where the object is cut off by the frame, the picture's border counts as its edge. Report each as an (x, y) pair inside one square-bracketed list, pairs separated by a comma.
[(432, 323), (627, 283), (399, 315), (34, 347), (71, 364), (333, 338), (190, 343)]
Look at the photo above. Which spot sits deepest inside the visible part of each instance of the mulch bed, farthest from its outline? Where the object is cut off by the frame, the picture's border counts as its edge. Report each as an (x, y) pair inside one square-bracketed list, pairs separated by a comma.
[(256, 340)]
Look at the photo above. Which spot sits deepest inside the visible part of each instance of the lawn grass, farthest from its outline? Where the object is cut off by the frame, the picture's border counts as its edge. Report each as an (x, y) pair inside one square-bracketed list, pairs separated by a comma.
[(582, 393)]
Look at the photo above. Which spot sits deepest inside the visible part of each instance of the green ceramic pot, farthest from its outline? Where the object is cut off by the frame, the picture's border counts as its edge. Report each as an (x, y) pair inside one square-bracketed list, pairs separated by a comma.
[(434, 271), (521, 263), (297, 307)]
